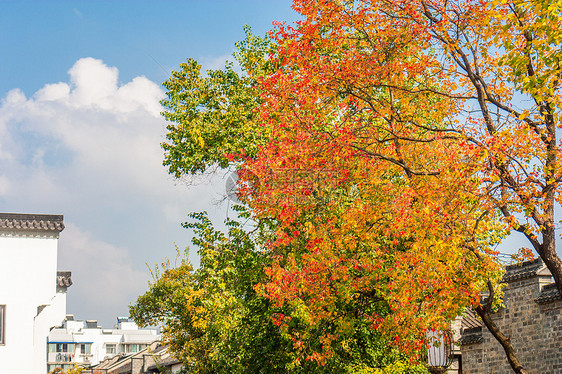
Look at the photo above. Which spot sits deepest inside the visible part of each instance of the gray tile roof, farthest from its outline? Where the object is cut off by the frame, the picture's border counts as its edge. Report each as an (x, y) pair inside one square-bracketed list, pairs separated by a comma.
[(525, 269), (165, 362), (63, 279), (471, 336), (469, 320), (548, 293), (471, 328), (31, 222)]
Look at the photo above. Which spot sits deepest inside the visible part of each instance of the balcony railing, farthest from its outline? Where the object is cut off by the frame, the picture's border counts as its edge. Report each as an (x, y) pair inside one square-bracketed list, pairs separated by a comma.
[(61, 357)]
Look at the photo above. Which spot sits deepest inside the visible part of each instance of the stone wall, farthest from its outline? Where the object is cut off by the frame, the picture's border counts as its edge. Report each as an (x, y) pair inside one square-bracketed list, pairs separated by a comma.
[(532, 318)]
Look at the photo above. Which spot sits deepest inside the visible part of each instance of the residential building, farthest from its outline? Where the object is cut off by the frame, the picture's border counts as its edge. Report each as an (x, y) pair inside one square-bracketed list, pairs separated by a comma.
[(33, 293), (155, 358), (86, 343)]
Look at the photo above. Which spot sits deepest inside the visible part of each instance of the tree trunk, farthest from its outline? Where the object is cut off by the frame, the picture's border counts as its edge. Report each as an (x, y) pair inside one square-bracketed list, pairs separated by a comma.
[(502, 339)]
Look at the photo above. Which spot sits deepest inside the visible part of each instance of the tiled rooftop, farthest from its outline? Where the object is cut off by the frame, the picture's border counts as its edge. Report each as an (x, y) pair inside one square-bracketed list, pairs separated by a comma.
[(31, 222), (523, 270), (471, 336), (63, 279), (469, 320), (548, 293)]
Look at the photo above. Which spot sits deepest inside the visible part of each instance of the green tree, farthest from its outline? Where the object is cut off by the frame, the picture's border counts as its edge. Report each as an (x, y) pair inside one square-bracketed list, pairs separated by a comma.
[(215, 321), (211, 316), (211, 118)]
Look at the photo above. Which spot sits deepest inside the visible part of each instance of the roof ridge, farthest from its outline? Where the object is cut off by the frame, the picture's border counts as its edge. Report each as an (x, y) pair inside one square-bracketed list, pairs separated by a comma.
[(525, 269), (31, 222)]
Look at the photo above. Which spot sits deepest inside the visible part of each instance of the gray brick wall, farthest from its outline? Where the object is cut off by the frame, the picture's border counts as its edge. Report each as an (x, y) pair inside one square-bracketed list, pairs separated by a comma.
[(535, 328)]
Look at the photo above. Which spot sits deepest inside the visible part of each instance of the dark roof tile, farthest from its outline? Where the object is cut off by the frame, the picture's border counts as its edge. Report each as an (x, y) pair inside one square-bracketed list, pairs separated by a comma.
[(469, 320), (165, 362), (548, 293), (523, 270), (31, 222), (64, 279), (471, 336)]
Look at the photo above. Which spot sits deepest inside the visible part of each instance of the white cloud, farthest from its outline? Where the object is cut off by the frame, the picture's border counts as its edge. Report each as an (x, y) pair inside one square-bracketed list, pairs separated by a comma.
[(53, 92), (90, 149), (102, 275), (94, 83), (5, 185), (95, 128)]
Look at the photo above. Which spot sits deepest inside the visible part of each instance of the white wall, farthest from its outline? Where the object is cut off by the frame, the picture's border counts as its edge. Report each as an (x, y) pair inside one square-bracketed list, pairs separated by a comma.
[(50, 316), (28, 273), (98, 339)]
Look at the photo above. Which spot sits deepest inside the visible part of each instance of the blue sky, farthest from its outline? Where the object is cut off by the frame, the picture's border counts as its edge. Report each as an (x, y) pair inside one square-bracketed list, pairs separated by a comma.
[(41, 40), (80, 130)]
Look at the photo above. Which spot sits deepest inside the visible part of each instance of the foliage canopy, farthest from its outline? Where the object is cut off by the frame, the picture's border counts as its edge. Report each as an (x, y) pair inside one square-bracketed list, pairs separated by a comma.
[(390, 145)]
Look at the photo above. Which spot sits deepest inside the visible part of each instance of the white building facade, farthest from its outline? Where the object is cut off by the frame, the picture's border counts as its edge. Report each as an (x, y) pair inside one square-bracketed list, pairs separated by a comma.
[(85, 343), (32, 292)]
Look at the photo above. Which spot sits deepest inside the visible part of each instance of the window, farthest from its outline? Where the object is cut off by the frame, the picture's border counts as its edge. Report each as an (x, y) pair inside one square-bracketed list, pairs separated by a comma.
[(85, 349), (134, 348), (110, 349), (61, 347), (2, 324), (61, 352)]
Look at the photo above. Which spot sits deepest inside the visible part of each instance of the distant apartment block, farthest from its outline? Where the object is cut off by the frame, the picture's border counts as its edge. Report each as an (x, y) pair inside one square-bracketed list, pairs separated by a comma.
[(86, 343), (32, 292)]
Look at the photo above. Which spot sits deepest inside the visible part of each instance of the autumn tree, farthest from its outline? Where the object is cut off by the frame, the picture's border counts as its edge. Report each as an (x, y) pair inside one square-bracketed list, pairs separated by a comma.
[(440, 115), (215, 322), (380, 231), (394, 143), (330, 264), (212, 316)]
